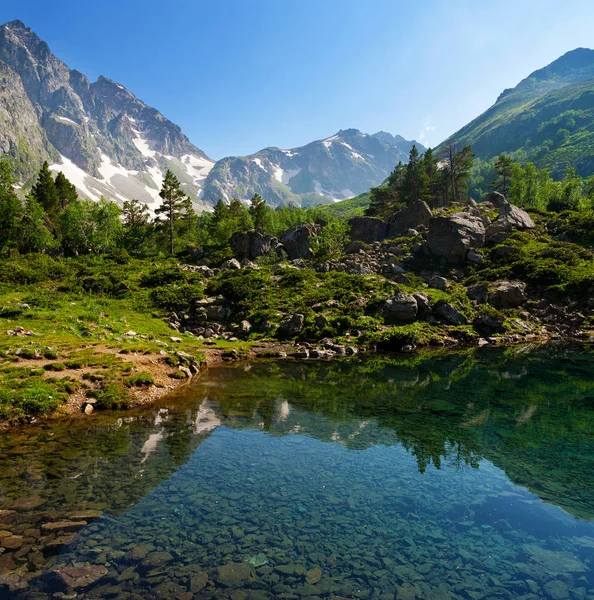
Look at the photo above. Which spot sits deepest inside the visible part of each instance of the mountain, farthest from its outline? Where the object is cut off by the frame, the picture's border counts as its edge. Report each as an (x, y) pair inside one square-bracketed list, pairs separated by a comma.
[(548, 118), (109, 143), (341, 166), (104, 139)]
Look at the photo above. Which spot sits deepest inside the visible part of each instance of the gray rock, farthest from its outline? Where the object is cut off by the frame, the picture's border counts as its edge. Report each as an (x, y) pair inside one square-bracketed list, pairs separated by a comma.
[(232, 264), (507, 294), (297, 241), (423, 302), (451, 237), (416, 214), (368, 229), (497, 199), (439, 283), (321, 322), (252, 244), (478, 292), (510, 217), (474, 257), (401, 307), (450, 314), (292, 326), (244, 328), (488, 324)]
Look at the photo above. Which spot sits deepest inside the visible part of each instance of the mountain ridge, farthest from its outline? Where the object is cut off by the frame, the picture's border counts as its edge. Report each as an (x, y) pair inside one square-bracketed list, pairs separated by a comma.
[(548, 118), (110, 143)]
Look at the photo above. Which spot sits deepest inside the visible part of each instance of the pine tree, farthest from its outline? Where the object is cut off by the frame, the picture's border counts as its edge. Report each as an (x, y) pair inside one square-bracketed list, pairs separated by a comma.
[(45, 192), (11, 208), (135, 213), (66, 191), (414, 184), (503, 173), (34, 235), (434, 181), (258, 211), (174, 205), (382, 203)]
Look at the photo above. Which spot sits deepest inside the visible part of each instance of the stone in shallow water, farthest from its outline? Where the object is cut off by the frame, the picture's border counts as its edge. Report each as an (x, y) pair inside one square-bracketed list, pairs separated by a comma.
[(139, 552), (313, 575), (63, 526), (79, 577), (198, 582), (235, 574), (258, 561), (556, 590), (157, 559)]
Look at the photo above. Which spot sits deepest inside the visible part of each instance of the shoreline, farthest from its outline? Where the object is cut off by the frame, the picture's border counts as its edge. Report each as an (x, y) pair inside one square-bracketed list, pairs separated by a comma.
[(73, 408)]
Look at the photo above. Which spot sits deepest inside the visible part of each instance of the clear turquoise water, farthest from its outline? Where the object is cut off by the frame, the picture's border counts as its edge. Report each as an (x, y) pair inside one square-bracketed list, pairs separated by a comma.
[(456, 476)]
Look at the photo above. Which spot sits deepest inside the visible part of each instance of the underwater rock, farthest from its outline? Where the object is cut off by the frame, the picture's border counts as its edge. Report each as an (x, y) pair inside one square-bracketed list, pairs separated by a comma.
[(235, 575), (313, 575), (78, 577)]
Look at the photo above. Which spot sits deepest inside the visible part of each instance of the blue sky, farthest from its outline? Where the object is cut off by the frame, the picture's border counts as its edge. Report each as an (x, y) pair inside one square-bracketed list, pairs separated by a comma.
[(241, 75)]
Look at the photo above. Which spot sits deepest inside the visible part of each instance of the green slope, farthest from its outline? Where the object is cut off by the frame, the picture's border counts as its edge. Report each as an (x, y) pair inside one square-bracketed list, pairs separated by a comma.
[(547, 118)]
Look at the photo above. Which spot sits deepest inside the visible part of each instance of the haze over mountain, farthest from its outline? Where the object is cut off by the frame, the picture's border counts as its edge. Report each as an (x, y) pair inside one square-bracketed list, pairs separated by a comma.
[(548, 118), (339, 167), (109, 143)]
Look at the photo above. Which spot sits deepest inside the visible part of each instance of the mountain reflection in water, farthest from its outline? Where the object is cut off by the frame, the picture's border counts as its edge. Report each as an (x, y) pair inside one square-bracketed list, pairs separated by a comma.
[(462, 475)]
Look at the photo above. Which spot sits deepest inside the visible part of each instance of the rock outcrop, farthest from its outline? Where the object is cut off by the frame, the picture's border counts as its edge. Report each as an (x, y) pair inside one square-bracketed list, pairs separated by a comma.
[(368, 229), (252, 244), (416, 215), (451, 237), (297, 241)]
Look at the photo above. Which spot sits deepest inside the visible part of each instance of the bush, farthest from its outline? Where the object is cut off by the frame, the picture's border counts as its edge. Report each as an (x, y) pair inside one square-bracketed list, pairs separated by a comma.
[(139, 379), (176, 298), (112, 396), (163, 275)]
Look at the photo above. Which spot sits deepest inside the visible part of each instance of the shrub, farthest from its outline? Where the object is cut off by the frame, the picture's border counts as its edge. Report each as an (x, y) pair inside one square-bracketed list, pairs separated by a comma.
[(112, 396), (163, 275), (176, 298), (139, 379)]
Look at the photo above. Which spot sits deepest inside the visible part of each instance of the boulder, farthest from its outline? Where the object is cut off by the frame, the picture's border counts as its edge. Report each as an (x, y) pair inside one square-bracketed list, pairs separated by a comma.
[(507, 294), (478, 292), (414, 215), (450, 314), (368, 229), (451, 237), (296, 241), (401, 307), (497, 199), (487, 324), (292, 326), (510, 217), (232, 264), (244, 329), (423, 302), (439, 283), (252, 244), (72, 578)]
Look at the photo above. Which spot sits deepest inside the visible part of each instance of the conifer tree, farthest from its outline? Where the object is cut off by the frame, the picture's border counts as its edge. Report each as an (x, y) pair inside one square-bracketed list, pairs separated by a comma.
[(258, 211), (135, 213), (45, 192), (503, 173), (382, 203), (433, 178), (414, 184), (66, 191), (11, 207), (174, 207), (33, 235)]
